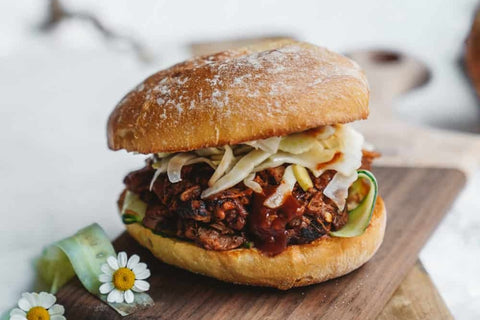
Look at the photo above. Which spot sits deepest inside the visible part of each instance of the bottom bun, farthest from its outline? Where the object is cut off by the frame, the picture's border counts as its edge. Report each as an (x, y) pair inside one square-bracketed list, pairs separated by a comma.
[(299, 265)]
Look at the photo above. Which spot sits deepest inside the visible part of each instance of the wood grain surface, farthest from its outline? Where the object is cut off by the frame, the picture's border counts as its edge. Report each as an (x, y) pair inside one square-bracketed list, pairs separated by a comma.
[(416, 200), (416, 298)]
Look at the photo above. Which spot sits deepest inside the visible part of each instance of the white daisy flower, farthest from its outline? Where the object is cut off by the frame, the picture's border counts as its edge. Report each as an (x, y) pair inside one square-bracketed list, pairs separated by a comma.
[(37, 306), (122, 277)]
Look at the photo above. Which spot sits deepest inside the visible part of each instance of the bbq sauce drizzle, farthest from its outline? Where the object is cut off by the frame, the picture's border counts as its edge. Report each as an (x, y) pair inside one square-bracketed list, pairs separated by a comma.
[(269, 225)]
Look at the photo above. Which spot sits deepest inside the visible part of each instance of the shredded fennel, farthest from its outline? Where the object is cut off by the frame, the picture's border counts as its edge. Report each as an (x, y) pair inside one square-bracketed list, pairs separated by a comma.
[(313, 150), (285, 187)]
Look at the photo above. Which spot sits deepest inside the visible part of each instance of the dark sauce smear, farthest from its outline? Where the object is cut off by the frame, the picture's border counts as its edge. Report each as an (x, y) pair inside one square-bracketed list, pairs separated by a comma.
[(269, 225), (336, 157)]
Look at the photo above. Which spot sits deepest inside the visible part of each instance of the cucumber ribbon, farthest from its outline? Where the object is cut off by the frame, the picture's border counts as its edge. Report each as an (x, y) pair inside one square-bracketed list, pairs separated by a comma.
[(83, 254), (133, 209), (359, 217)]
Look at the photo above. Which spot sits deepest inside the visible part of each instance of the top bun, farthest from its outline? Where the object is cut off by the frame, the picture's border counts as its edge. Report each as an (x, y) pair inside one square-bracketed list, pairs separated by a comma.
[(269, 89)]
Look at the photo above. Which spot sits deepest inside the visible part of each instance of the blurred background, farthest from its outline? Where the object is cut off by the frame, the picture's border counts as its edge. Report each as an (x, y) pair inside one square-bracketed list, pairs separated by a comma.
[(65, 64)]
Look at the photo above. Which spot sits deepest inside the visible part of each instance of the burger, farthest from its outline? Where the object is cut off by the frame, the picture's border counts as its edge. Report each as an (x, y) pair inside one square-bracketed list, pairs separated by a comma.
[(253, 174)]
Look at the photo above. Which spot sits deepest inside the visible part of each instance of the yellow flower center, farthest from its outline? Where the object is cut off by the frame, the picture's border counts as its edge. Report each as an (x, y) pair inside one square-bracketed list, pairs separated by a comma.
[(123, 279), (38, 313)]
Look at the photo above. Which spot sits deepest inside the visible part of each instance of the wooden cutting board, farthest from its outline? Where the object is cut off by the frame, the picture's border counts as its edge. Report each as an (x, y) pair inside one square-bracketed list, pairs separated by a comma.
[(416, 200), (416, 299)]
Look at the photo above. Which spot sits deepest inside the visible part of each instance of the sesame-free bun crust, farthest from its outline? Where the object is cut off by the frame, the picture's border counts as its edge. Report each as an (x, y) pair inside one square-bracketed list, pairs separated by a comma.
[(299, 265), (270, 89)]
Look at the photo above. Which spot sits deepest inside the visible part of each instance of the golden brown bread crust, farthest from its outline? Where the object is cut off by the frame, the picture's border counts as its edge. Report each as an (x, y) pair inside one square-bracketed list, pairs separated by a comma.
[(270, 89), (298, 265)]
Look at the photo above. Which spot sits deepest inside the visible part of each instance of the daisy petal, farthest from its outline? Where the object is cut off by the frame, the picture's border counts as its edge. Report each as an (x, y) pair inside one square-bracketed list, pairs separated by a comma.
[(17, 312), (46, 300), (119, 296), (24, 304), (106, 269), (141, 286), (31, 299), (142, 275), (56, 309), (122, 259), (58, 317), (105, 277), (139, 268), (128, 295), (35, 298), (106, 288), (133, 261), (113, 296), (18, 317), (113, 263)]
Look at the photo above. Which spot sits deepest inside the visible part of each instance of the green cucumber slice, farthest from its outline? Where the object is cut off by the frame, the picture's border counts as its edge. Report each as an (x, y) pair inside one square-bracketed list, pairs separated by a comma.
[(83, 254), (357, 191), (54, 269), (133, 209), (130, 218), (359, 218)]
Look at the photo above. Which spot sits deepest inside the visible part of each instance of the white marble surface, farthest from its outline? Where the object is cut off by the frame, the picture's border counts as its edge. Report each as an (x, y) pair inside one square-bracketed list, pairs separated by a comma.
[(57, 175)]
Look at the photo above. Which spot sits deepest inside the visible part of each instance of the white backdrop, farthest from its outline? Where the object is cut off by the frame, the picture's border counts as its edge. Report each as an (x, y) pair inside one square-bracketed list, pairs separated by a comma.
[(57, 89)]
